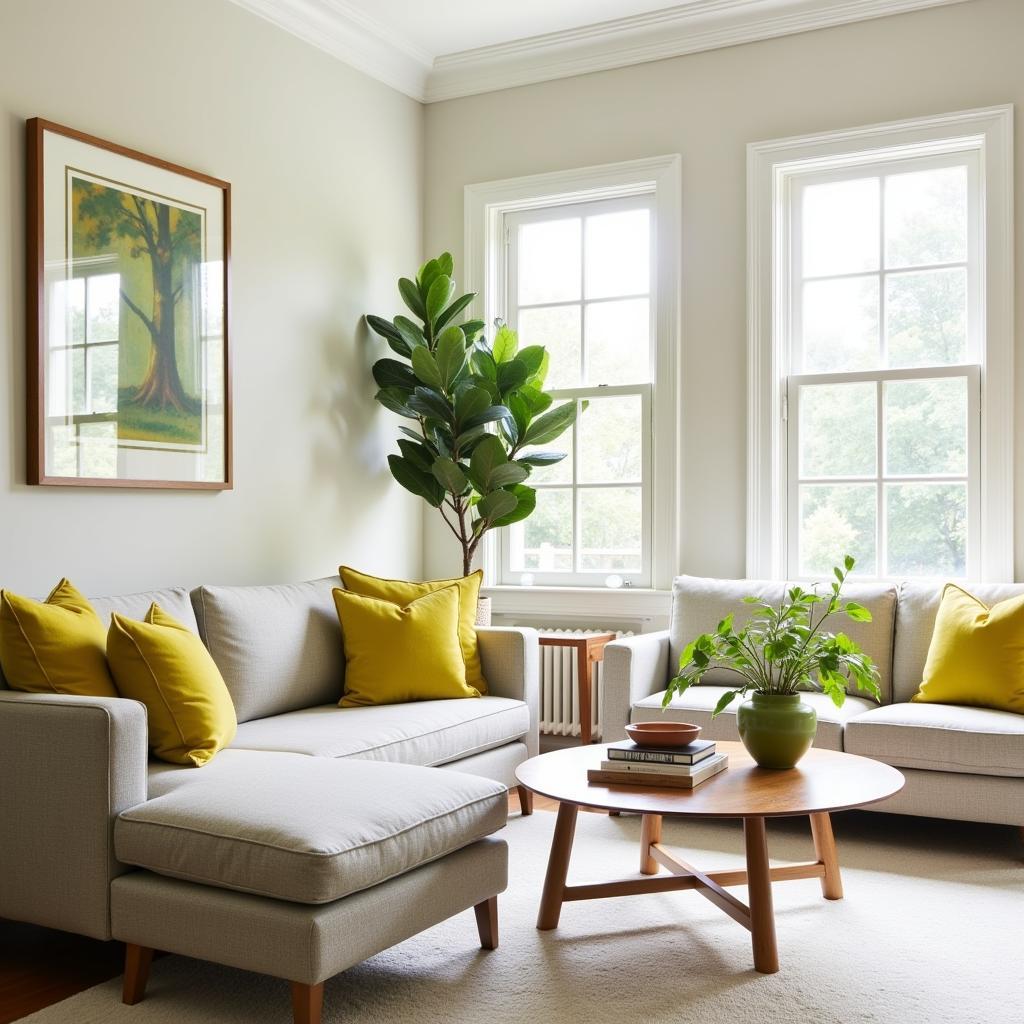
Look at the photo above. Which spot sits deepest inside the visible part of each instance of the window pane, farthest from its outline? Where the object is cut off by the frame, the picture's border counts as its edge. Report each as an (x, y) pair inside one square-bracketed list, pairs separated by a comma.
[(549, 261), (77, 364), (543, 543), (103, 379), (618, 254), (103, 306), (926, 318), (840, 325), (840, 227), (926, 427), (837, 520), (558, 472), (618, 342), (611, 528), (557, 328), (838, 426), (926, 217), (610, 433), (926, 529)]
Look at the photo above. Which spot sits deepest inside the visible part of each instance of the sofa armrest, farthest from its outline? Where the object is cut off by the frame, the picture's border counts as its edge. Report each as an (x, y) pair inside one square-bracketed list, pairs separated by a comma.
[(634, 667), (511, 664), (68, 767)]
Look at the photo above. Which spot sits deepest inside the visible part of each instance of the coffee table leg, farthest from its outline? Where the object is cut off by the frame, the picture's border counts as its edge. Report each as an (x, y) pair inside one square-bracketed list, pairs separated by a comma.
[(825, 851), (759, 886), (558, 867), (650, 832)]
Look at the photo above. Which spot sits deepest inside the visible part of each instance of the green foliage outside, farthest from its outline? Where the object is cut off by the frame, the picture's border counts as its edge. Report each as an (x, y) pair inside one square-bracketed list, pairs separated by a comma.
[(480, 413), (783, 650)]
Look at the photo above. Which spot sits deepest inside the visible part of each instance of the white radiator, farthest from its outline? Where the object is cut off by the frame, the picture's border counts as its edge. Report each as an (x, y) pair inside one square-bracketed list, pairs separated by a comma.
[(559, 689)]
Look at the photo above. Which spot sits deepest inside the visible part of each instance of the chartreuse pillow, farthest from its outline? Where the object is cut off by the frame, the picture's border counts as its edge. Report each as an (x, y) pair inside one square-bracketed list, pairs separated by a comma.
[(164, 665), (402, 593), (396, 654), (54, 646), (976, 655)]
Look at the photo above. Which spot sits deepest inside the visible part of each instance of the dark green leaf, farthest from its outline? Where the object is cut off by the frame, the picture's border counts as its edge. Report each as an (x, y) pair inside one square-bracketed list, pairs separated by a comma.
[(411, 297), (471, 401), (391, 373), (410, 333), (489, 415), (488, 455), (484, 365), (383, 327), (532, 357), (450, 356), (449, 314), (446, 263), (449, 475), (541, 458), (497, 504), (429, 403), (425, 367), (471, 328), (428, 272), (511, 375), (507, 474), (416, 453), (526, 502), (415, 480), (723, 702), (553, 423), (537, 400), (438, 295), (395, 399)]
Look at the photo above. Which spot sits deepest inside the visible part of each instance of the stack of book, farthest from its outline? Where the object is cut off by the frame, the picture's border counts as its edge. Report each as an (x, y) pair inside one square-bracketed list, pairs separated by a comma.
[(686, 767)]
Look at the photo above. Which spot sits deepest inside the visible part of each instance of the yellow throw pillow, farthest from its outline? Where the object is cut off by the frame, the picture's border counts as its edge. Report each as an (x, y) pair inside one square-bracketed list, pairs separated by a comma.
[(395, 654), (54, 646), (976, 655), (165, 666), (403, 593)]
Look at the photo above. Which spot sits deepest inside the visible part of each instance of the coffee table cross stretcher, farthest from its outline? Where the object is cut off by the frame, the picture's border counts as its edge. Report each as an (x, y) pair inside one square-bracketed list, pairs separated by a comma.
[(824, 781)]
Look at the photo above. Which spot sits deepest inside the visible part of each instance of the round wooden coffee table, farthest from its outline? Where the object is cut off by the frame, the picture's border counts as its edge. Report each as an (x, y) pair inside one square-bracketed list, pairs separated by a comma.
[(823, 781)]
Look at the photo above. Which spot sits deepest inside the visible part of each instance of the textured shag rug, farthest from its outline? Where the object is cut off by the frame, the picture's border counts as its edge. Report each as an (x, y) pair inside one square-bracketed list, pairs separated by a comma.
[(931, 931)]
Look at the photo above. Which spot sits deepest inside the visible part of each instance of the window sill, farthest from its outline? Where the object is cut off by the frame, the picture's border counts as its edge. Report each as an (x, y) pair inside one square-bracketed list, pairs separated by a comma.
[(633, 603)]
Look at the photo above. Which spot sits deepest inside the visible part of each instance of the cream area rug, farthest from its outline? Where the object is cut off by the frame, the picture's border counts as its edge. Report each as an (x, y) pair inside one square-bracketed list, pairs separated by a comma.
[(931, 930)]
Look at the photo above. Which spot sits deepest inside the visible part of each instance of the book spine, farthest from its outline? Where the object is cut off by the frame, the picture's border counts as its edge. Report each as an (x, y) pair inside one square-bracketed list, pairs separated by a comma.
[(656, 757), (649, 769)]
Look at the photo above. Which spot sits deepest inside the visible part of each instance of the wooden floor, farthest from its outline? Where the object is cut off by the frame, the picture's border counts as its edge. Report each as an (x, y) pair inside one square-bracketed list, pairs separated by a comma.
[(40, 967)]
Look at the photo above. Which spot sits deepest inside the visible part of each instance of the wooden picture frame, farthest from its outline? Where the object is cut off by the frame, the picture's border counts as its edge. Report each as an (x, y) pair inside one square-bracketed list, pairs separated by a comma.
[(128, 362)]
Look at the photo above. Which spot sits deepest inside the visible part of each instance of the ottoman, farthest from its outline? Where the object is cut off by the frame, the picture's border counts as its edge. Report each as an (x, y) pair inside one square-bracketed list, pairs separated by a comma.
[(300, 867)]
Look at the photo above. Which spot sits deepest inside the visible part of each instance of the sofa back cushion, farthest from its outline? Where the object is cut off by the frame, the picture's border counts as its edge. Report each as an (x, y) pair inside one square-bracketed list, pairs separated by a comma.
[(278, 648), (173, 600), (699, 604), (915, 622)]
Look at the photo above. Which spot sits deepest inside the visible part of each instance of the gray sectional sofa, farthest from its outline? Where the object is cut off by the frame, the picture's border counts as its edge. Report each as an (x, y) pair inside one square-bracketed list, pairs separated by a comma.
[(320, 837), (964, 763)]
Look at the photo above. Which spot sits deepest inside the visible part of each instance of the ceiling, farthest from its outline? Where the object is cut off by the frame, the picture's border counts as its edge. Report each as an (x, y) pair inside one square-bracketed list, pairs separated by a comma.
[(449, 48)]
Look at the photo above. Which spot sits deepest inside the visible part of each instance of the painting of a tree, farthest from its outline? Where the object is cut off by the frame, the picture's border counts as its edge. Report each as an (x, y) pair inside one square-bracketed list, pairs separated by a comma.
[(158, 246)]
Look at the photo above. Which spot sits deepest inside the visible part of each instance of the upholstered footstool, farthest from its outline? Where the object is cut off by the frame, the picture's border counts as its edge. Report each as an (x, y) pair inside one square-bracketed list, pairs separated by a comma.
[(300, 867)]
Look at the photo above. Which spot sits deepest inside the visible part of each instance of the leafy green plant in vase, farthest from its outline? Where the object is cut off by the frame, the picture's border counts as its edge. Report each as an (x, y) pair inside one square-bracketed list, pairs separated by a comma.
[(778, 653), (479, 415)]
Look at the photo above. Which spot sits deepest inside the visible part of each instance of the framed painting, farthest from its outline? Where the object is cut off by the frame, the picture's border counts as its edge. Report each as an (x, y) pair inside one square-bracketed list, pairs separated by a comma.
[(129, 380)]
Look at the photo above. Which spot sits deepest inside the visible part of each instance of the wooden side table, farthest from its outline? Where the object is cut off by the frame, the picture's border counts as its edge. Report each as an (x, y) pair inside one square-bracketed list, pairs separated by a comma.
[(589, 650)]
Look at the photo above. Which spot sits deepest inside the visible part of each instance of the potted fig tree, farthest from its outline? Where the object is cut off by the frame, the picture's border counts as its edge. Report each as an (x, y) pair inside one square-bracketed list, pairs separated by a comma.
[(479, 417), (779, 653)]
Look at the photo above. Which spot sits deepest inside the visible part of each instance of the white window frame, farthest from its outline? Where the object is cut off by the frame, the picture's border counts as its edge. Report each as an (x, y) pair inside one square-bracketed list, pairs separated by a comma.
[(773, 171), (486, 207), (644, 391)]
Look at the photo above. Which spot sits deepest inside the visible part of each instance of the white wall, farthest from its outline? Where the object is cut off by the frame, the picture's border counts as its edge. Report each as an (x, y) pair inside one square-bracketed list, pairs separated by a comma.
[(326, 173), (708, 107)]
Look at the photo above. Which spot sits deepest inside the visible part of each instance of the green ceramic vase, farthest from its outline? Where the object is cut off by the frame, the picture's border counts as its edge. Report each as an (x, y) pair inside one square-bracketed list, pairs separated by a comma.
[(776, 729)]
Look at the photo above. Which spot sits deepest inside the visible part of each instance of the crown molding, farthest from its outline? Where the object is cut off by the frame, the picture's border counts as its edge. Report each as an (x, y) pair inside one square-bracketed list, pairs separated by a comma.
[(347, 32), (674, 32)]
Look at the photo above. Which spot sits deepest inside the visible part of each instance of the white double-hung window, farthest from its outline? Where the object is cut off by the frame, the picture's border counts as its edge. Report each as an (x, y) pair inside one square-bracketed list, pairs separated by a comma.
[(585, 265), (879, 334)]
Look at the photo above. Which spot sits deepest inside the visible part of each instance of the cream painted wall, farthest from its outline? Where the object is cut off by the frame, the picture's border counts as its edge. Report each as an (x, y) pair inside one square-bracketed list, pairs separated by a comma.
[(326, 173), (707, 107)]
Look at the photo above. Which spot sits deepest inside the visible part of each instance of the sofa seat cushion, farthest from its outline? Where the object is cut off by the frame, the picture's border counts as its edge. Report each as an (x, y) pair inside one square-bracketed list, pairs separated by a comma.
[(942, 738), (306, 829), (427, 732), (698, 702)]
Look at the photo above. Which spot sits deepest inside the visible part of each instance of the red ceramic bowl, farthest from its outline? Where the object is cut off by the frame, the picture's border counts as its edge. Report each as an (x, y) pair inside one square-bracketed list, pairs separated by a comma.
[(662, 734)]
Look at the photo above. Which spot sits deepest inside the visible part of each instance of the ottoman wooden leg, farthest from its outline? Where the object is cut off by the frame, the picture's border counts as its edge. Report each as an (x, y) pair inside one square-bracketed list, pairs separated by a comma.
[(307, 1002), (137, 961), (487, 923), (525, 800)]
